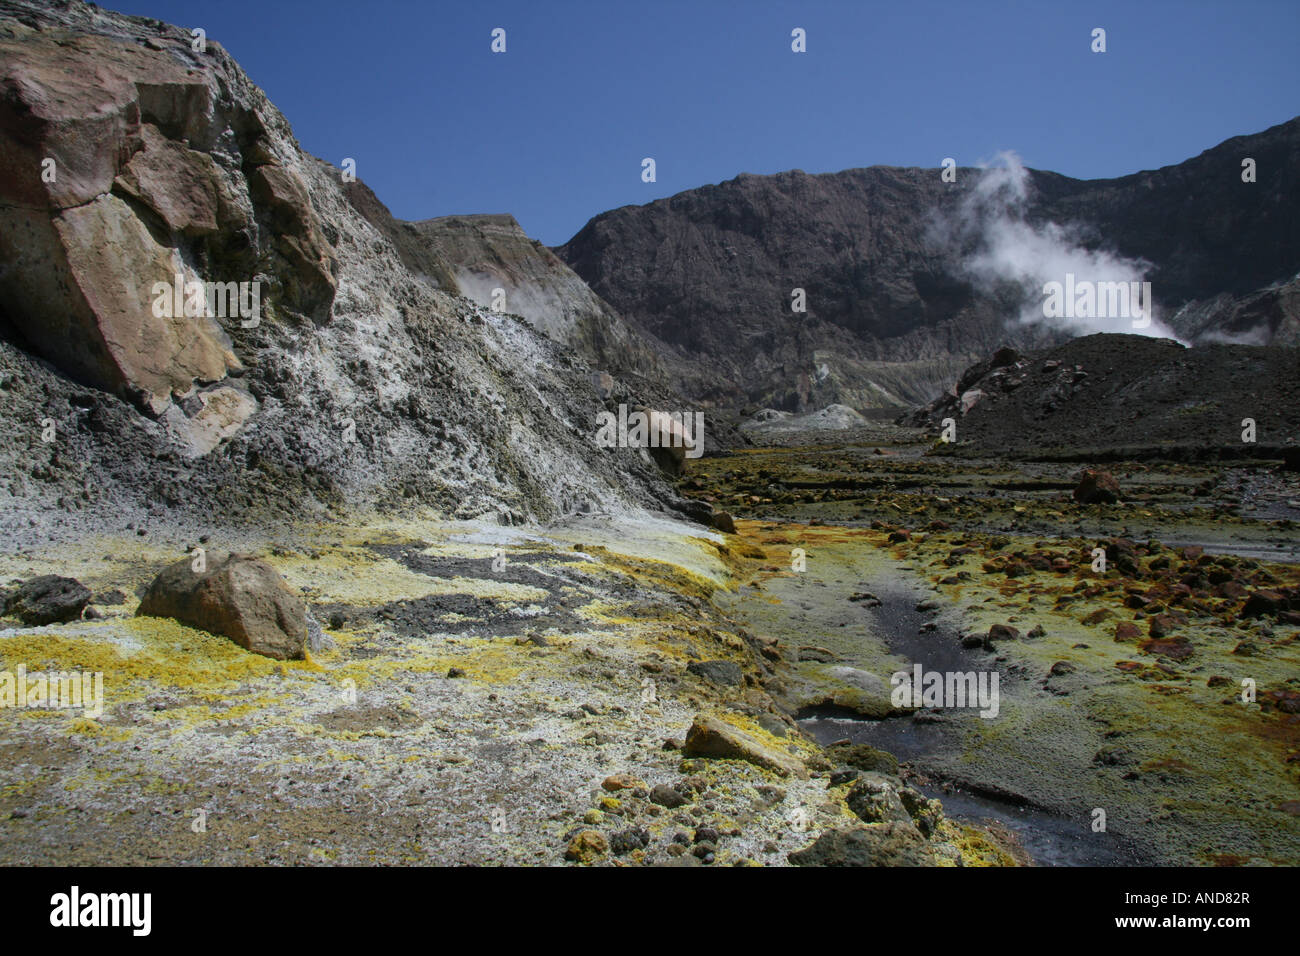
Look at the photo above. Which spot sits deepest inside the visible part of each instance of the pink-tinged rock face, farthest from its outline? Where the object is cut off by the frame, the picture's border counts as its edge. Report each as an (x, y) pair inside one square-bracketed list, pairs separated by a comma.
[(114, 263), (79, 103), (111, 182), (185, 187)]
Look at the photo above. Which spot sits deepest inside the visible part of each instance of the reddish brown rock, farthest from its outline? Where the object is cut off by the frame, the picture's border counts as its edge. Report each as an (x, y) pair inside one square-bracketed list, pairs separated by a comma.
[(1174, 648), (1002, 632), (234, 595), (1162, 625), (1125, 632), (1096, 487)]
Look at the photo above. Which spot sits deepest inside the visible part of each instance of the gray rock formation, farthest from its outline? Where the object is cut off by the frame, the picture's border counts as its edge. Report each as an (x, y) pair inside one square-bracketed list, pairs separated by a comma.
[(491, 252), (358, 383)]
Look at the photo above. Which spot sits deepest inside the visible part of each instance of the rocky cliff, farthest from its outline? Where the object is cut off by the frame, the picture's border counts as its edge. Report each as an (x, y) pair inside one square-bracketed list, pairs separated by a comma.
[(203, 323), (887, 260), (491, 252)]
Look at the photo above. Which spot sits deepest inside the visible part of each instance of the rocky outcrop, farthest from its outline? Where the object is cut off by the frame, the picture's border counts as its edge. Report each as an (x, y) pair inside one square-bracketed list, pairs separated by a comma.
[(884, 844), (236, 596), (892, 317), (340, 371), (131, 160), (1127, 394), (496, 265), (711, 737)]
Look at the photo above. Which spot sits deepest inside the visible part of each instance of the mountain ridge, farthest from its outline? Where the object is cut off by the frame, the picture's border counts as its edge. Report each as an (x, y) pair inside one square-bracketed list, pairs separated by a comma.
[(710, 270)]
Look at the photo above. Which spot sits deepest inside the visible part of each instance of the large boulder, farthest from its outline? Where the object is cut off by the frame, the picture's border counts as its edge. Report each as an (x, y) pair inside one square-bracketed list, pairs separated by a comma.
[(672, 438), (48, 599), (875, 799), (237, 596), (883, 844), (711, 737)]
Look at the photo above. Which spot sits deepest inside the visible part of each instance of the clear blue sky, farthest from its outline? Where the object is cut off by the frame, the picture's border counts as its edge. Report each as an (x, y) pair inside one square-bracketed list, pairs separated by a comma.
[(554, 130)]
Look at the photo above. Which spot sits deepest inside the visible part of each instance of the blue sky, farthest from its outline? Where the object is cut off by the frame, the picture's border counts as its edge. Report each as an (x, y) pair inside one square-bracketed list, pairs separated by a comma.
[(554, 130)]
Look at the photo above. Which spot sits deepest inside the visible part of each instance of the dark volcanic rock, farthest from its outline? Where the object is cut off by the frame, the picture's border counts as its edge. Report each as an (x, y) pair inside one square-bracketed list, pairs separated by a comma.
[(727, 673), (886, 844), (48, 599), (1268, 601), (667, 796)]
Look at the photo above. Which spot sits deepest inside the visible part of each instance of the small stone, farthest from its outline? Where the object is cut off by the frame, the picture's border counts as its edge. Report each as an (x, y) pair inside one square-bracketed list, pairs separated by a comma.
[(666, 796), (1096, 487), (1002, 632), (621, 781), (704, 851), (455, 672), (586, 847), (1127, 632)]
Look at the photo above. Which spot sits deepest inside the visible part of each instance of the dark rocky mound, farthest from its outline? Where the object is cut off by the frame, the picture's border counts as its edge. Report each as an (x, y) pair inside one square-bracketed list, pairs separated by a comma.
[(1128, 394)]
